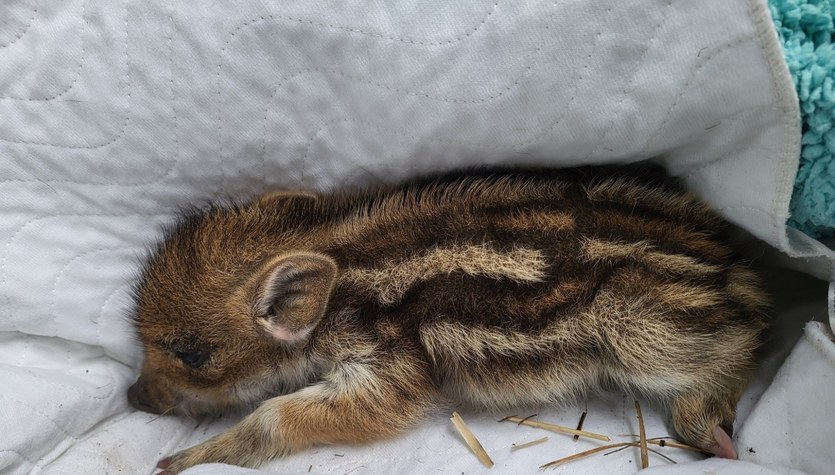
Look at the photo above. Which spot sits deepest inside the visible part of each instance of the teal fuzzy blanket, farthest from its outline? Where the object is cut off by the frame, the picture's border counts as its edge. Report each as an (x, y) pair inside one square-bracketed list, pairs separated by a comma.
[(806, 30)]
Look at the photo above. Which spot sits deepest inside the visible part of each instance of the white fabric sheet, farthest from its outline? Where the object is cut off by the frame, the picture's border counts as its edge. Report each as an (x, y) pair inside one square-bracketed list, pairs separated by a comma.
[(115, 113), (787, 418)]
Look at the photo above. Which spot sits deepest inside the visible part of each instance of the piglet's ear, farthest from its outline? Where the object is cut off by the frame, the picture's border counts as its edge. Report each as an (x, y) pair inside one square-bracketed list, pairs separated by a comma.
[(292, 295)]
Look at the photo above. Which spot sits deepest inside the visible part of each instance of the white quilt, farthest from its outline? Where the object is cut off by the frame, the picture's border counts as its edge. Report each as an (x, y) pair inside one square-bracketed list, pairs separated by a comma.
[(115, 113)]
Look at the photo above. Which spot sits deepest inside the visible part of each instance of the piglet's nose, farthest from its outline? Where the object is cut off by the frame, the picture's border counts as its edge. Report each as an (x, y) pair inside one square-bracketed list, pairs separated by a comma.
[(138, 398)]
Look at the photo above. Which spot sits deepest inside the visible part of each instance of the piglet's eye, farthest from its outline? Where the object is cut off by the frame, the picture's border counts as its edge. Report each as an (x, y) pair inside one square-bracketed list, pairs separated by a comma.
[(194, 359)]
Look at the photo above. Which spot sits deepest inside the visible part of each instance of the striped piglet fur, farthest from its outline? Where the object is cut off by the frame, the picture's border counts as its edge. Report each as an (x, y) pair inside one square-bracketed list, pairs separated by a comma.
[(348, 316)]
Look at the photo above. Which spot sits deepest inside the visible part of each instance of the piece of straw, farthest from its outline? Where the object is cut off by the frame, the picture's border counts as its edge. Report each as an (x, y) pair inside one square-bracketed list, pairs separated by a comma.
[(580, 424), (471, 440), (515, 447), (555, 428), (670, 442), (643, 439), (649, 449), (659, 441), (585, 453), (617, 446)]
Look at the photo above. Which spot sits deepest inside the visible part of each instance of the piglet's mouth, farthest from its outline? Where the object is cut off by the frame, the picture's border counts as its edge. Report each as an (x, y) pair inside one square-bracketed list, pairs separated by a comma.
[(138, 398), (143, 397)]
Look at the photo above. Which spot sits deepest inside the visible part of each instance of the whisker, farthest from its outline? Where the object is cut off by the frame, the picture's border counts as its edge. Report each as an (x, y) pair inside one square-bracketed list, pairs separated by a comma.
[(162, 413)]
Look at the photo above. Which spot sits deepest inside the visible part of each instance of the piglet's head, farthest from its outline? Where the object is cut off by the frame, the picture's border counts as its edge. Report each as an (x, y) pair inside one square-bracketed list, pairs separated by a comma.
[(224, 319)]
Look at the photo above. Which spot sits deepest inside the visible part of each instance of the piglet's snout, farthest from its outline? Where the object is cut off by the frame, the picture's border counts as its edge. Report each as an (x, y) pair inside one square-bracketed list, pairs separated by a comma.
[(138, 397)]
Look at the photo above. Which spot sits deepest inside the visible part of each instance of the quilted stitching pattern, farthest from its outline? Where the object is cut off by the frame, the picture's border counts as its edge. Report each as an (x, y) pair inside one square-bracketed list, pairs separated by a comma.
[(113, 114), (16, 25)]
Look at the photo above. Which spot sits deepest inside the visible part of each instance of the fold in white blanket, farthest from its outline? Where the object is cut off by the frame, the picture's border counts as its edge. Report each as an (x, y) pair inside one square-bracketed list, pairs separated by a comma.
[(115, 113)]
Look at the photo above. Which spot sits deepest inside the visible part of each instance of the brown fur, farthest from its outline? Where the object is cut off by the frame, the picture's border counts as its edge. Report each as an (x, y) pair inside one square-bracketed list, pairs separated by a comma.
[(350, 315)]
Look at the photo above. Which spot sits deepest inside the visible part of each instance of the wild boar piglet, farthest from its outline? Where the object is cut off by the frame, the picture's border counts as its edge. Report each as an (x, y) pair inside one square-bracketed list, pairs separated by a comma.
[(348, 316)]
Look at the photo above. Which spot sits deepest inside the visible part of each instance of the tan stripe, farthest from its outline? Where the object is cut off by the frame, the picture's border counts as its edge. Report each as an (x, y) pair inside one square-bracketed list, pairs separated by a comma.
[(682, 233), (678, 264), (641, 251), (455, 342), (744, 285), (458, 343), (609, 251), (683, 297), (395, 279)]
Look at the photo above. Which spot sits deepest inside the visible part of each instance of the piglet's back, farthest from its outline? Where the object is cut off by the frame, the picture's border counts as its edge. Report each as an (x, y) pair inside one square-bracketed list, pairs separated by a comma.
[(518, 250)]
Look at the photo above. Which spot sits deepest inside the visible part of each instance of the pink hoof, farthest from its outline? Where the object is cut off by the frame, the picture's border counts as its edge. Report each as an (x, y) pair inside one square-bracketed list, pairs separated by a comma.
[(724, 447)]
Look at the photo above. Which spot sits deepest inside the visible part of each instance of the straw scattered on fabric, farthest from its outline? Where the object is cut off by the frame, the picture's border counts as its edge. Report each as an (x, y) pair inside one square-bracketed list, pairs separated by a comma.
[(643, 436), (668, 441), (656, 452), (555, 428), (471, 440), (580, 424), (515, 447), (659, 441), (585, 453)]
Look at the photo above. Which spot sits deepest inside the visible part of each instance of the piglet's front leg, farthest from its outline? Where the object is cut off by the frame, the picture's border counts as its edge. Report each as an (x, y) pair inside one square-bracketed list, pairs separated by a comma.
[(356, 402)]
